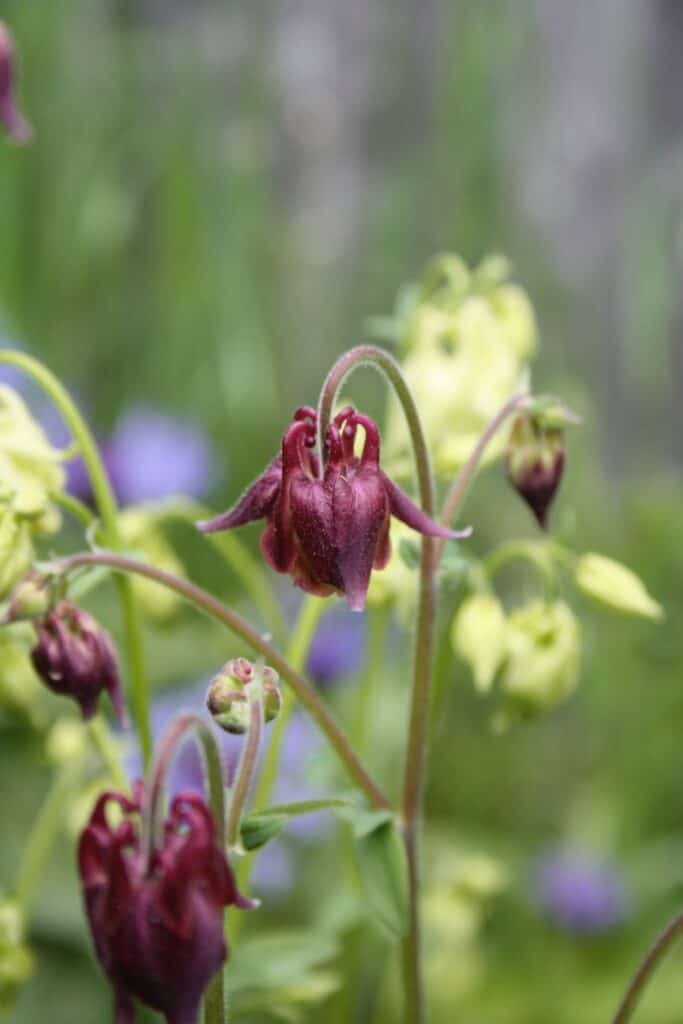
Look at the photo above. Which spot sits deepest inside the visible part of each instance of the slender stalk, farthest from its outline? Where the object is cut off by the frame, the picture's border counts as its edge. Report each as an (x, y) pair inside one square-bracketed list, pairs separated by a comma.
[(108, 511), (413, 781), (102, 740), (44, 832), (209, 604), (75, 508), (179, 730), (646, 969), (247, 763), (460, 486)]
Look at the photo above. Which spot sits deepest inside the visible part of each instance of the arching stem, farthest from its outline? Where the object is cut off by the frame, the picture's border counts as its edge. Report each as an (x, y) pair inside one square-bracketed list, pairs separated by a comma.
[(213, 607), (651, 960), (414, 771)]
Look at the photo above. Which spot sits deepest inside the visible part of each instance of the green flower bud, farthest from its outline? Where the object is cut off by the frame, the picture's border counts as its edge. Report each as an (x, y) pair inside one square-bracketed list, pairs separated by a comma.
[(16, 962), (16, 550), (543, 657), (228, 695), (615, 585), (479, 636), (30, 599)]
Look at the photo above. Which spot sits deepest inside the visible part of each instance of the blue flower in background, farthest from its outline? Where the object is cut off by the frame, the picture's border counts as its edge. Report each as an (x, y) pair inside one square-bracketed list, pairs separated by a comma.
[(338, 647), (580, 892), (152, 455)]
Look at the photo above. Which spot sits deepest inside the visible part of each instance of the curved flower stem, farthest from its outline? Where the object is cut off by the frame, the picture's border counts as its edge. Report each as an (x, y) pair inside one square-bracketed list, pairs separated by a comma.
[(209, 604), (247, 763), (46, 827), (178, 731), (651, 960), (413, 784), (459, 488), (240, 560), (108, 511)]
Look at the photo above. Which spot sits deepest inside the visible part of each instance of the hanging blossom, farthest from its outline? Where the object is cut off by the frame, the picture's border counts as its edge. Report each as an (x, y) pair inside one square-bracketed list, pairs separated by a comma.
[(327, 526), (157, 917)]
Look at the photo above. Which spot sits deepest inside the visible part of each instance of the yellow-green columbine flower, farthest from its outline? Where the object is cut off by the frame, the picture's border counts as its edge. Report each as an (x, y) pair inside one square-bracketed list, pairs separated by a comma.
[(466, 350), (543, 657), (16, 549), (141, 530), (30, 468), (21, 692), (479, 636), (16, 961), (616, 586)]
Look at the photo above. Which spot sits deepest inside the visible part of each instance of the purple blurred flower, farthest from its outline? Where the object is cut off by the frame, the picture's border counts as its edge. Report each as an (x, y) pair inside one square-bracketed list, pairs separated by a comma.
[(338, 647), (580, 892), (153, 455)]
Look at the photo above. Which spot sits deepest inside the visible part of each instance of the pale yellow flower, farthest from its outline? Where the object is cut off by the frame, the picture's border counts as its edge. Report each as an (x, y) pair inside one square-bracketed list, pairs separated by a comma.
[(615, 585), (30, 468), (141, 531), (543, 656)]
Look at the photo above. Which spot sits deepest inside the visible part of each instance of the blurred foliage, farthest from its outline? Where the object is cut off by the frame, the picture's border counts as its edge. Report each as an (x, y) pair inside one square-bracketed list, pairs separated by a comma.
[(149, 251)]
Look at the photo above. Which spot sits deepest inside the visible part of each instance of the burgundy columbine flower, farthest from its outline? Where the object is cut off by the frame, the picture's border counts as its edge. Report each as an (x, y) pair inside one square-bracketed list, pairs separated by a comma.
[(156, 917), (17, 126), (75, 657), (328, 527)]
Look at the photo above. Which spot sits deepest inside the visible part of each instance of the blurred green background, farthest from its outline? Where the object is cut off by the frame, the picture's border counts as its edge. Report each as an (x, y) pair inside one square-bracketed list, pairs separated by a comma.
[(217, 196)]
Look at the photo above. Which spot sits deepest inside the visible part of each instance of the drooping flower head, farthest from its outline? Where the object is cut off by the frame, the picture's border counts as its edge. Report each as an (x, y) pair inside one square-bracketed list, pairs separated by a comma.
[(18, 128), (75, 657), (327, 526), (156, 916)]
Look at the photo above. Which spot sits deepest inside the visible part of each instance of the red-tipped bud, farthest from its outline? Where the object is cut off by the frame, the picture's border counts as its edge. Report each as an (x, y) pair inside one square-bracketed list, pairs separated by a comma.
[(535, 460), (75, 657), (228, 698)]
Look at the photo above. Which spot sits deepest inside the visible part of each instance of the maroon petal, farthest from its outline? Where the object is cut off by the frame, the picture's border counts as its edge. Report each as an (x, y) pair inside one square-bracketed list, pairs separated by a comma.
[(124, 1010), (361, 517), (257, 502), (409, 513)]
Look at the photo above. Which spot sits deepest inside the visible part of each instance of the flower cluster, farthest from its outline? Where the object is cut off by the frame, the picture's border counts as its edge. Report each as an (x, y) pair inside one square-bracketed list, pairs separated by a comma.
[(466, 339)]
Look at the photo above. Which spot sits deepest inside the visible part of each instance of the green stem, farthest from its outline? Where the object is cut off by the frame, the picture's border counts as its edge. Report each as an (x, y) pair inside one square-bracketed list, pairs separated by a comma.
[(108, 512), (102, 740), (209, 604), (74, 507), (414, 772), (247, 763), (536, 552), (46, 828), (458, 491), (650, 961)]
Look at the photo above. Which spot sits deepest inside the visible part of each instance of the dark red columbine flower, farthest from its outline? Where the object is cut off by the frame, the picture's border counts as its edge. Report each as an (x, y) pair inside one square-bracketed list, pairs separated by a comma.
[(328, 527), (156, 917), (17, 126), (75, 657), (535, 462)]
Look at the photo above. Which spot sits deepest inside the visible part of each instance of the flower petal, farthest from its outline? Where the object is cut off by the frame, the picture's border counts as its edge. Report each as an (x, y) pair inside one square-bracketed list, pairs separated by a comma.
[(404, 509), (257, 502)]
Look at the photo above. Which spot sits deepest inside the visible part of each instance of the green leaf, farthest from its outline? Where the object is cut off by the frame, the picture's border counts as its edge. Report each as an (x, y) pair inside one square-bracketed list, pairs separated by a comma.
[(384, 877), (274, 959), (362, 820), (258, 829)]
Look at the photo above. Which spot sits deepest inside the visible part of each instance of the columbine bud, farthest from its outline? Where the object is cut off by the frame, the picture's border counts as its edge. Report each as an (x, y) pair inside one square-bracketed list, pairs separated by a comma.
[(535, 460), (543, 656), (17, 126), (228, 699), (16, 962), (479, 636), (616, 586), (30, 599), (156, 916), (75, 657)]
